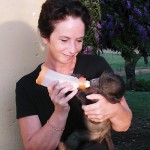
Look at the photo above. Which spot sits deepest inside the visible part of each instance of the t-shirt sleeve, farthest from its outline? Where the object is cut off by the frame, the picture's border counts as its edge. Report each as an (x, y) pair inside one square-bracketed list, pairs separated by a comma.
[(24, 105)]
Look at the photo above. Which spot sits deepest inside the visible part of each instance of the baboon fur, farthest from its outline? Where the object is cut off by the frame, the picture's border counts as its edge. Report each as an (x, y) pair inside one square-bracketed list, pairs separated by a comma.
[(112, 87)]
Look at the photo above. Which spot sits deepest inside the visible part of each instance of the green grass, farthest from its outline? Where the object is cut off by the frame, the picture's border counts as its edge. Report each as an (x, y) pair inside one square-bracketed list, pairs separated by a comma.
[(117, 62), (140, 63), (139, 103), (143, 76), (137, 137), (140, 76)]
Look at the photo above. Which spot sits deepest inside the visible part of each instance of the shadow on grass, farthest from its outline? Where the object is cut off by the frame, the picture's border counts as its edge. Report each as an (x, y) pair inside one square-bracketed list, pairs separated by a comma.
[(138, 135)]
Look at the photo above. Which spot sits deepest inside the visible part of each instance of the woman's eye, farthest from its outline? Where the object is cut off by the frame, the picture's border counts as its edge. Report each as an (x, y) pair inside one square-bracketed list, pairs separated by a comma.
[(64, 40), (80, 41)]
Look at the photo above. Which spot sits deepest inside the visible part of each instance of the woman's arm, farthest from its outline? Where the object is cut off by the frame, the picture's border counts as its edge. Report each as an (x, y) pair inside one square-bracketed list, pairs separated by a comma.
[(119, 114), (36, 137), (122, 116)]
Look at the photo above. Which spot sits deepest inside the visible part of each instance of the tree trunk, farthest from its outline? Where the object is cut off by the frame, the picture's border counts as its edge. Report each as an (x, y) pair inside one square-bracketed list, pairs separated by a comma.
[(130, 71)]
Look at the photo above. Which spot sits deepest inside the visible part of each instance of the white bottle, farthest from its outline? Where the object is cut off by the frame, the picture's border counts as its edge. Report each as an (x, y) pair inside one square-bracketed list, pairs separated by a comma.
[(46, 76)]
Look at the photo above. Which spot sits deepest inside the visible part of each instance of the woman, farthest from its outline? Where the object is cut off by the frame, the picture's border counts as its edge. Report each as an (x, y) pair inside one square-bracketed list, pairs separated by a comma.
[(49, 115)]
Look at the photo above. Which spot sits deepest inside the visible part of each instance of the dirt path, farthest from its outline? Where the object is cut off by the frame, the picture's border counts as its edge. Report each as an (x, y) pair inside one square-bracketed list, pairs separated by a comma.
[(137, 71)]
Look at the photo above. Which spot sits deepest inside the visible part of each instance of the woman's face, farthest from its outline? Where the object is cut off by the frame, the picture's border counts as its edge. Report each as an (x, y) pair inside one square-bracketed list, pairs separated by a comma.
[(66, 40)]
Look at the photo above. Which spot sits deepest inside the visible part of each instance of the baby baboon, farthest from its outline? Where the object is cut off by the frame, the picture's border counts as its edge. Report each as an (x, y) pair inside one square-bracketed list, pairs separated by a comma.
[(112, 87)]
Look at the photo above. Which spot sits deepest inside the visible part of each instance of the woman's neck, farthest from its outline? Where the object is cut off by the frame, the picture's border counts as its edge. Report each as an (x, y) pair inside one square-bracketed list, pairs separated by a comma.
[(61, 68)]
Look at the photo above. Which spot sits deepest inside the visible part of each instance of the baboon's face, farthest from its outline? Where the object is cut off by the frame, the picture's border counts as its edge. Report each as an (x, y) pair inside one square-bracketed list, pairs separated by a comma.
[(93, 89)]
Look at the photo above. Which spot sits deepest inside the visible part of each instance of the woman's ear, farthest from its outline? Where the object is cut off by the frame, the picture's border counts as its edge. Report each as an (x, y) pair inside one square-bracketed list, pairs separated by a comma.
[(45, 40)]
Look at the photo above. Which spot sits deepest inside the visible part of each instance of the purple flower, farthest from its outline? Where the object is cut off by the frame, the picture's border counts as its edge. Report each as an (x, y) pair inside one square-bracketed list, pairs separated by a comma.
[(128, 4), (88, 50), (103, 23), (121, 25), (102, 2), (137, 11), (148, 28), (132, 20), (146, 11), (126, 20), (98, 26), (109, 25), (140, 28), (110, 17), (96, 35), (111, 33), (142, 32), (94, 3)]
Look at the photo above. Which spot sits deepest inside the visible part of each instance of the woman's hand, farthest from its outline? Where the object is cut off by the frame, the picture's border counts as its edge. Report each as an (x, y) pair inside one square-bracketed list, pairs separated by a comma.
[(60, 98), (101, 110), (119, 114)]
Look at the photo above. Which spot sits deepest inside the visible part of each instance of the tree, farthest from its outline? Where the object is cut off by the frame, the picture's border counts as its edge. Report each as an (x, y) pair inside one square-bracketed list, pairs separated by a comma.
[(126, 29), (91, 40)]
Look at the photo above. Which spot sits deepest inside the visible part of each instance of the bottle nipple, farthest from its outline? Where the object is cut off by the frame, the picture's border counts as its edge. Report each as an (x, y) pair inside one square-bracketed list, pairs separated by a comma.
[(83, 83)]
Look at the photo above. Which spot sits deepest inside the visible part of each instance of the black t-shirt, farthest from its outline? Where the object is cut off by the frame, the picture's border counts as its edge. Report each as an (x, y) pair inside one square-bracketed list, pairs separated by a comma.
[(33, 99)]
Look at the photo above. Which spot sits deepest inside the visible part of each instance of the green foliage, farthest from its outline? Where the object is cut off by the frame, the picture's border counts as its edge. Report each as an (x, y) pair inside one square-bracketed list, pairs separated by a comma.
[(91, 41)]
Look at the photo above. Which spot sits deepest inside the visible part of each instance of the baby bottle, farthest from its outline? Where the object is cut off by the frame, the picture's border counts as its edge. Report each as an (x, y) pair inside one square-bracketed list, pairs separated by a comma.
[(46, 76)]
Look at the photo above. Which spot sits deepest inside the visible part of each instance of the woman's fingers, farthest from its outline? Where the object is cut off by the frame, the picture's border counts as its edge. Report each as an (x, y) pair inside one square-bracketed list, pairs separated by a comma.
[(95, 112), (59, 92), (52, 86), (99, 99), (96, 116), (61, 89)]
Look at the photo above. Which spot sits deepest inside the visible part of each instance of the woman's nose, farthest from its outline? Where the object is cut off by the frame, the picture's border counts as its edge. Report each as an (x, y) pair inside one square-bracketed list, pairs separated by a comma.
[(73, 48)]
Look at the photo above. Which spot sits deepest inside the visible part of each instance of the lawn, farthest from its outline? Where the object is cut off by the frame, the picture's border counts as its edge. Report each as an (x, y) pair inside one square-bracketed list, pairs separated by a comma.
[(138, 135), (143, 76), (117, 62)]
